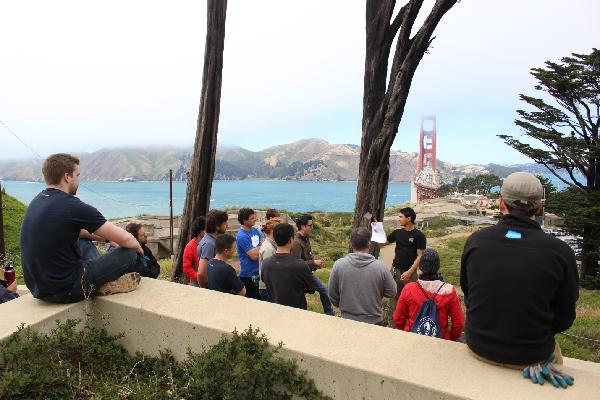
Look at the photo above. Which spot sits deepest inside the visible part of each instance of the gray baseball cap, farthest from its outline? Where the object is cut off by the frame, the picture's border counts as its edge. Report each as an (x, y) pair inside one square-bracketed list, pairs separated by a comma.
[(522, 188)]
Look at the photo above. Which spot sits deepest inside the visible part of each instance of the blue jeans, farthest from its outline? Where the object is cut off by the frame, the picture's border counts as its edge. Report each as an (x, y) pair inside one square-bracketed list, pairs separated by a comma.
[(95, 273), (327, 307), (87, 250)]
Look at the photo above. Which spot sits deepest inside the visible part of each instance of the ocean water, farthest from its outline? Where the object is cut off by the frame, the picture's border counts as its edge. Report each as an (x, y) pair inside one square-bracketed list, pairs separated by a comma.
[(124, 199)]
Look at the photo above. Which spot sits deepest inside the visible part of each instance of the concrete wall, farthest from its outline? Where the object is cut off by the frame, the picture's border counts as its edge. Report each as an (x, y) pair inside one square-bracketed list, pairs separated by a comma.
[(347, 359)]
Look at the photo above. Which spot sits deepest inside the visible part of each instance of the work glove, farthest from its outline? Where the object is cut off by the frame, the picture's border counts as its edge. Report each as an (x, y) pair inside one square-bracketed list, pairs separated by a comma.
[(549, 371)]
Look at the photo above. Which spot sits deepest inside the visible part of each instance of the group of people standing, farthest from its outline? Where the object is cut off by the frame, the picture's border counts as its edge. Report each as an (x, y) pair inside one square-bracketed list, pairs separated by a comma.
[(520, 284), (276, 263)]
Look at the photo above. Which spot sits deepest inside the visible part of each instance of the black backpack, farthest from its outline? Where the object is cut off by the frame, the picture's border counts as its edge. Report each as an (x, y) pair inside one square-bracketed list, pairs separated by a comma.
[(427, 322)]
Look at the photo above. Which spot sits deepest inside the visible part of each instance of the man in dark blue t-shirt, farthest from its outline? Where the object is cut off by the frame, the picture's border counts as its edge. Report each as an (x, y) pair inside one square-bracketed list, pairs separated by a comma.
[(53, 267), (220, 275)]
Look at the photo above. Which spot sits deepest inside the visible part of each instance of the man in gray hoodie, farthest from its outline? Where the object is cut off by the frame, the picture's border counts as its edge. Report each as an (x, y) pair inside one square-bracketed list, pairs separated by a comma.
[(359, 281)]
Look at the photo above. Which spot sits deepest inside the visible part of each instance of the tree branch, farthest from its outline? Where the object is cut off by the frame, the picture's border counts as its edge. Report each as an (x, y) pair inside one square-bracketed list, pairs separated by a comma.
[(395, 25)]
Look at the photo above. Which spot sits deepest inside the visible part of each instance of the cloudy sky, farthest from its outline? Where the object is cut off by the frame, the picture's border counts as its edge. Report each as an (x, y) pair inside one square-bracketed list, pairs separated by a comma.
[(81, 75)]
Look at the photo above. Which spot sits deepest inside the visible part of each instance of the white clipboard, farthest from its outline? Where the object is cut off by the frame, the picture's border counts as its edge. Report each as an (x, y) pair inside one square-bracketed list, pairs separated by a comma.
[(378, 234)]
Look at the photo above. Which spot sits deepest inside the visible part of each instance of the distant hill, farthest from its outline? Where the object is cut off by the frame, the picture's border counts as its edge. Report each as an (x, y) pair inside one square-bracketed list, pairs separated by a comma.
[(309, 159)]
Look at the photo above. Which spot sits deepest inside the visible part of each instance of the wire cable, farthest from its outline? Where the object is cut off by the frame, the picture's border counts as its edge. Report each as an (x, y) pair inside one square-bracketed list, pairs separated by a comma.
[(81, 184)]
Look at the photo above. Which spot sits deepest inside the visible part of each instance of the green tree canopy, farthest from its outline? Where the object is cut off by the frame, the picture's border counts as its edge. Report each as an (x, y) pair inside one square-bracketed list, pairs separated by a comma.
[(482, 184), (566, 121), (568, 130)]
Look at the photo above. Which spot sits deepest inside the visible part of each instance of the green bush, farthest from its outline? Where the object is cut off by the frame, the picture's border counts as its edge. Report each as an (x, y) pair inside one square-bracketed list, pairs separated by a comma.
[(245, 366), (590, 282), (13, 213), (69, 364)]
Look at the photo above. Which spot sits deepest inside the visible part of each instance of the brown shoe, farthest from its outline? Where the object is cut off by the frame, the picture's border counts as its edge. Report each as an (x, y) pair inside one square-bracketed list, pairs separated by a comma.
[(125, 283)]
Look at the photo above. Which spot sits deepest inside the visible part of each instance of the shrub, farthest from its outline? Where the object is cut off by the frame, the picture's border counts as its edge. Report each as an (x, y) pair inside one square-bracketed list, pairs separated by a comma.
[(245, 366), (69, 364)]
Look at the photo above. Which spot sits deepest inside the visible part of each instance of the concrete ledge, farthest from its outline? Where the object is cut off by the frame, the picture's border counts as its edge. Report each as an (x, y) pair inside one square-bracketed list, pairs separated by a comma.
[(39, 315), (347, 359)]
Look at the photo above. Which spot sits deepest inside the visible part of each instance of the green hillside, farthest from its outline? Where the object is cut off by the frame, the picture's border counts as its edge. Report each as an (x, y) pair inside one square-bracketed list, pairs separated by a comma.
[(13, 213)]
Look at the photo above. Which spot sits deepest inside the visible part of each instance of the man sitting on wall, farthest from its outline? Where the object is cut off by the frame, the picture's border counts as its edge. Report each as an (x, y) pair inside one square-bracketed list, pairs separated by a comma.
[(52, 265), (520, 286)]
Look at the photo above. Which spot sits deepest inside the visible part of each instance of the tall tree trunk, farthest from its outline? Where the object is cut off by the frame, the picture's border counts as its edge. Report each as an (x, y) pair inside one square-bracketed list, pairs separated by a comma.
[(383, 105), (199, 183)]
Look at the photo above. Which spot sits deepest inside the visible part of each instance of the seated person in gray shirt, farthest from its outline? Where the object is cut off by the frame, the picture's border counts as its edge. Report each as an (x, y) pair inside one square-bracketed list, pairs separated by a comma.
[(286, 277), (220, 275)]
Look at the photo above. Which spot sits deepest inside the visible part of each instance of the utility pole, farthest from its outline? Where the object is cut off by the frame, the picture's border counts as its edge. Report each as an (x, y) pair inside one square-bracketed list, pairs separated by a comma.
[(2, 246), (171, 209)]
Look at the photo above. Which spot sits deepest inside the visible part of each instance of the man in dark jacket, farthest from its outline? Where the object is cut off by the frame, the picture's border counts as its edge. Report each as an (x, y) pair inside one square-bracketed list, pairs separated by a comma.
[(302, 250), (520, 284), (286, 277)]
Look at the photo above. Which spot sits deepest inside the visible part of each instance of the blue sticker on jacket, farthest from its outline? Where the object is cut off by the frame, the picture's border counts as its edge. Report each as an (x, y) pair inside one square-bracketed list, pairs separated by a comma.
[(513, 235)]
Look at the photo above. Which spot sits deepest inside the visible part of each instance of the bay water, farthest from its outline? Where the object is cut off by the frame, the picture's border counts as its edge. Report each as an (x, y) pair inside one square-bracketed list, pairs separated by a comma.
[(125, 199)]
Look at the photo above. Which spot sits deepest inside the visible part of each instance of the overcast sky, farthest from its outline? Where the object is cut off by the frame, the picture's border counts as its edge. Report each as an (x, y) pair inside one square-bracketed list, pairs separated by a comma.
[(81, 75)]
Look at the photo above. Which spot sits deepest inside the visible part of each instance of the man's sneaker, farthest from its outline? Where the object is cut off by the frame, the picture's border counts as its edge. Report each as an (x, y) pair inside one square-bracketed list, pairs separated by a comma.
[(125, 283)]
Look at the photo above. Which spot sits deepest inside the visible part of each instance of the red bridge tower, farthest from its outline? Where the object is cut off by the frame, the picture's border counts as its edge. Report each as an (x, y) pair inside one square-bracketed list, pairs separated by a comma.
[(426, 182)]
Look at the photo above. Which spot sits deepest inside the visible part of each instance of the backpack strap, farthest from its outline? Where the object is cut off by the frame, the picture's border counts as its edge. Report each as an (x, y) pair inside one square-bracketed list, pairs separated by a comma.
[(440, 288), (425, 292)]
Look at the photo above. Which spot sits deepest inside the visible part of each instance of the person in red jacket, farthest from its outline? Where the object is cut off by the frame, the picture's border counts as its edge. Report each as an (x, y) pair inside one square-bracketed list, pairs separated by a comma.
[(446, 299), (190, 254)]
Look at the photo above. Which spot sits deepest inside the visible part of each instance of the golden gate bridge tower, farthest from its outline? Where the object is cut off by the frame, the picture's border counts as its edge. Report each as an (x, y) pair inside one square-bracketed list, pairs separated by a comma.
[(426, 181)]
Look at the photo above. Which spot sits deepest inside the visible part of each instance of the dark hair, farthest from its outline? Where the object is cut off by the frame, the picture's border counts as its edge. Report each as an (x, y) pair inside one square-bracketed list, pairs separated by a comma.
[(244, 214), (271, 213), (303, 220), (215, 218), (360, 238), (198, 226), (430, 262), (57, 165), (409, 213), (133, 228), (224, 242), (521, 210), (282, 233)]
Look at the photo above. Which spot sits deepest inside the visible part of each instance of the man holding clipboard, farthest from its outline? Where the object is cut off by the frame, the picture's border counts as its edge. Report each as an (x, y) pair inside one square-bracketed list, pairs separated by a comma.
[(410, 243)]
